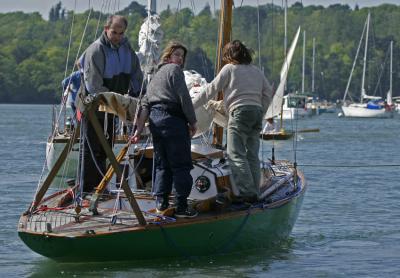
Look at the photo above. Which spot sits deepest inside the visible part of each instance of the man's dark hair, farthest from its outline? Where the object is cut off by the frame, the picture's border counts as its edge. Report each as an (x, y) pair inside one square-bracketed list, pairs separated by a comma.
[(113, 18)]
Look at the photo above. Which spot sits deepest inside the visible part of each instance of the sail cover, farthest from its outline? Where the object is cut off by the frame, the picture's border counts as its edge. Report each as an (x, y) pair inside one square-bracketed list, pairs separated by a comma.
[(150, 36), (197, 85)]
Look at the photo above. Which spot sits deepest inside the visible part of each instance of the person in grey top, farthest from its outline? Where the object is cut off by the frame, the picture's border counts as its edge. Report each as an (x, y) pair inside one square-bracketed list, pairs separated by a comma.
[(109, 65), (169, 108), (247, 95)]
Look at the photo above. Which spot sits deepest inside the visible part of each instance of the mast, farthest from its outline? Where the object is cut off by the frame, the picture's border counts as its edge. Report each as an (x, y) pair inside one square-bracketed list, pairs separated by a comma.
[(224, 36), (304, 62), (354, 62), (389, 95), (313, 67), (153, 6), (365, 61), (285, 36), (284, 57)]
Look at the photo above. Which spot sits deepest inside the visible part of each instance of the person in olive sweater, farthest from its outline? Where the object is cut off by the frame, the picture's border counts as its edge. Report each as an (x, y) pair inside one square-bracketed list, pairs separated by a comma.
[(169, 108), (247, 95)]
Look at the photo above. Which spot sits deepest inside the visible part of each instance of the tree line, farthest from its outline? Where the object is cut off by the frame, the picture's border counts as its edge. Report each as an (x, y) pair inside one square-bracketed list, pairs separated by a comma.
[(34, 51)]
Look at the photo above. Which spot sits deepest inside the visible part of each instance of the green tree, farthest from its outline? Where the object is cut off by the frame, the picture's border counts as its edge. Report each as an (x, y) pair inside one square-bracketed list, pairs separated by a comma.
[(33, 57)]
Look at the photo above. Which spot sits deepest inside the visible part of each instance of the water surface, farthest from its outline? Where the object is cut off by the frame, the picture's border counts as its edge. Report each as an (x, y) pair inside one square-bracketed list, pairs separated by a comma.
[(349, 225)]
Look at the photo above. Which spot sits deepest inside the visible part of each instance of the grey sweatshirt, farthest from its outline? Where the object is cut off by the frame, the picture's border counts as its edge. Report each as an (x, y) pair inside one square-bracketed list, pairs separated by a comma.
[(168, 85), (241, 85), (109, 68)]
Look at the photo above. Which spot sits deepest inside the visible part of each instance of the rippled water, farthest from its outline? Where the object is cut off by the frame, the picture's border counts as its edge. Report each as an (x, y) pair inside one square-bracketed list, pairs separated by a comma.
[(349, 224)]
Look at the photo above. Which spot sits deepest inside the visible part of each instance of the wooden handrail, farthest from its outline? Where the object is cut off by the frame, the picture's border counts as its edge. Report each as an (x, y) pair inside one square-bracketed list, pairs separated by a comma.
[(114, 163)]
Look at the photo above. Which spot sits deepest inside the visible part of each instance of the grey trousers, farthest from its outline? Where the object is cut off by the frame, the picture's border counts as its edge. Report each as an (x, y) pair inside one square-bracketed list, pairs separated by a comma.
[(243, 143)]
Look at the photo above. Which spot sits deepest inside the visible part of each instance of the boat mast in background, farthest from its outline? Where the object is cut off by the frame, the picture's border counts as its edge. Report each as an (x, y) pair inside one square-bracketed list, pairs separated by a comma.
[(285, 36), (354, 63), (389, 99), (363, 93), (313, 68), (304, 62), (285, 58)]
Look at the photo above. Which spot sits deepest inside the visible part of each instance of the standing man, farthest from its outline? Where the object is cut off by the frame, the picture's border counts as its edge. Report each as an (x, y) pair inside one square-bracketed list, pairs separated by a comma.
[(110, 65)]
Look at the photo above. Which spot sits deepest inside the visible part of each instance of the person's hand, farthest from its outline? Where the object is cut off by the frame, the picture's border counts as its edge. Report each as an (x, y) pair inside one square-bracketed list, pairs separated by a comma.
[(192, 129), (135, 137)]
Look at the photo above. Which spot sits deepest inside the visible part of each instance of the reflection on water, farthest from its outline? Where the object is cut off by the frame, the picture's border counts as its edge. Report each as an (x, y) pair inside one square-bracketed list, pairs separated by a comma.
[(227, 265)]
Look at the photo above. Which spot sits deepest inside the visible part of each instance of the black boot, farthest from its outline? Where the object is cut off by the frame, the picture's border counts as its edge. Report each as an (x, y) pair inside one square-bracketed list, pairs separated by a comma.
[(184, 211), (162, 203)]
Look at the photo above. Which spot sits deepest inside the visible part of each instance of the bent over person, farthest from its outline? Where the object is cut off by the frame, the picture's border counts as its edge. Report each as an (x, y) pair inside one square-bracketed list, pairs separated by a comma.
[(110, 65), (169, 108), (247, 95)]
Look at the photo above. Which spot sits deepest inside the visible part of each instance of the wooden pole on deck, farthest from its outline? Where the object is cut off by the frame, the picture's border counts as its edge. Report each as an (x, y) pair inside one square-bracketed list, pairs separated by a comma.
[(114, 163), (225, 30), (106, 179)]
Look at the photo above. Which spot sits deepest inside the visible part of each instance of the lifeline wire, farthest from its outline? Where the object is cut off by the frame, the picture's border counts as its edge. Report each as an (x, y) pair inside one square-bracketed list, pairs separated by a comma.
[(349, 166)]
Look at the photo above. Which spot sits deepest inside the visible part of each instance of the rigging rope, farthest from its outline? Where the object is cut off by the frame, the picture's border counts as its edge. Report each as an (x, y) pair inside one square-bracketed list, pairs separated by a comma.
[(58, 117), (70, 41), (73, 68), (382, 66), (258, 36), (349, 166), (98, 21)]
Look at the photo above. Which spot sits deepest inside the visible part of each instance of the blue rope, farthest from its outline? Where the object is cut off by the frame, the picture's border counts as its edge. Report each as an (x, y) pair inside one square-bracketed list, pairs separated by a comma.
[(228, 244), (171, 242), (222, 249)]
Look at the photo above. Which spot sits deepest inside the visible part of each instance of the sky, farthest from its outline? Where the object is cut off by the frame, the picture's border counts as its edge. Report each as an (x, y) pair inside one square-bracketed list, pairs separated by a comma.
[(43, 6)]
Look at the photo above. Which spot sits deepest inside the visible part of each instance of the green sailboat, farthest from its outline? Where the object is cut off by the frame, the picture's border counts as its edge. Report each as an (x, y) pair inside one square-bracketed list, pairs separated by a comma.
[(119, 220)]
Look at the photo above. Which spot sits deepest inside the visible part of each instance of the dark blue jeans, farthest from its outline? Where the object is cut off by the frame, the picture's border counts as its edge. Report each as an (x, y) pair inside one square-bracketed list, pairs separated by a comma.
[(91, 175), (172, 154)]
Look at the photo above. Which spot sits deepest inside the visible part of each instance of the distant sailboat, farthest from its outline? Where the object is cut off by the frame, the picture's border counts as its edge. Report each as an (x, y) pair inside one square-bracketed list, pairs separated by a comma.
[(369, 106), (295, 105), (275, 109)]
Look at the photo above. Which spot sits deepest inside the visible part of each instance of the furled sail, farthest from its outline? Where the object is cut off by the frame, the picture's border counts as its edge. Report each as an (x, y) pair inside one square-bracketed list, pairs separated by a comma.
[(212, 112), (197, 85), (150, 36)]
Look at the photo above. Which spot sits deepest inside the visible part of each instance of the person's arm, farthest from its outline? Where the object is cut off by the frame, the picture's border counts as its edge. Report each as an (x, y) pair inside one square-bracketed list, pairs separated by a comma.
[(142, 116), (192, 129), (94, 70), (219, 83), (65, 83), (139, 124), (182, 92), (179, 86)]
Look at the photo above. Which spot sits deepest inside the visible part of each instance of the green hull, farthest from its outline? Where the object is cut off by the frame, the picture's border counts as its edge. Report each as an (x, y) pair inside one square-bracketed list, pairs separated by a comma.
[(259, 228)]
